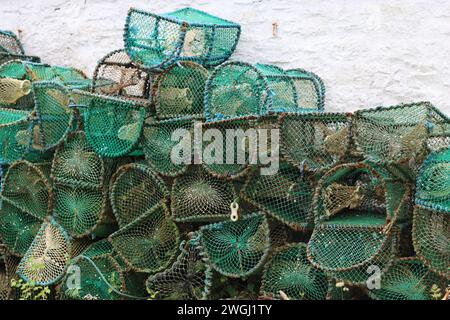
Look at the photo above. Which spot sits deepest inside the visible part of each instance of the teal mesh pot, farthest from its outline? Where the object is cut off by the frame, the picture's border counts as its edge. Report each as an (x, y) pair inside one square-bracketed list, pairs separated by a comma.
[(113, 125), (356, 208), (237, 248), (189, 278), (400, 136), (116, 75), (315, 141), (289, 271), (179, 91), (310, 89), (410, 279), (15, 134), (155, 41)]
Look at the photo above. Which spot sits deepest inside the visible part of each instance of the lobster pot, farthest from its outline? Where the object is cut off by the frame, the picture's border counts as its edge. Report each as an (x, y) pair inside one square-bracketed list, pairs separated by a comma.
[(113, 125), (26, 199), (288, 270), (15, 135), (117, 75), (197, 196), (315, 141), (179, 91), (310, 89), (357, 208), (8, 268), (148, 244), (11, 48), (400, 136), (189, 278), (155, 41), (168, 145), (237, 248), (409, 279), (135, 191), (286, 195)]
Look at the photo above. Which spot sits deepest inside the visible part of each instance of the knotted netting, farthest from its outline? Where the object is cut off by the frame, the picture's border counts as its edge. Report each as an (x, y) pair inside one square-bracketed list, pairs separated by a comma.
[(314, 141), (149, 243), (26, 199), (237, 248), (409, 279), (286, 195), (115, 74), (47, 258), (199, 196), (11, 48), (113, 125), (155, 41), (135, 190), (158, 145), (400, 135), (11, 90), (179, 90), (356, 208), (15, 132), (189, 278), (288, 270), (310, 89)]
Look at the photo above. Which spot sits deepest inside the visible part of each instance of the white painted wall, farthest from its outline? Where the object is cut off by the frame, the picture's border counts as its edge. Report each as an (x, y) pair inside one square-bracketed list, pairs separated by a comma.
[(368, 52)]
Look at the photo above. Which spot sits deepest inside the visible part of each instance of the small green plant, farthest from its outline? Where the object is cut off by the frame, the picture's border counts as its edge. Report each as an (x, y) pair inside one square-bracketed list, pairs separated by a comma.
[(30, 291), (435, 292), (152, 294)]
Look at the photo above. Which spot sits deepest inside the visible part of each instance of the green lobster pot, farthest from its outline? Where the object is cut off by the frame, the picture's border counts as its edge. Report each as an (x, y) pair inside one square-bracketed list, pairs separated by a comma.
[(179, 90), (310, 89), (189, 278), (315, 141), (409, 279), (116, 75), (357, 208), (113, 125), (155, 41), (15, 128), (399, 137), (288, 270)]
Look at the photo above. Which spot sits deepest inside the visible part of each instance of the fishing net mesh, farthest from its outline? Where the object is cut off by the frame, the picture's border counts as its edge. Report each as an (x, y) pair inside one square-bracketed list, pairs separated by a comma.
[(314, 141), (11, 90), (10, 43), (158, 145), (409, 279), (237, 249), (288, 270), (286, 195), (135, 190), (199, 196), (154, 41), (189, 278), (179, 91), (310, 90), (150, 243), (117, 75), (14, 134)]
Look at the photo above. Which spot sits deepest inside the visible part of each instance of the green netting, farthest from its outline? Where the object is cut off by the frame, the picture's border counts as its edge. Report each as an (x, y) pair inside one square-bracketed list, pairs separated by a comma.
[(355, 208), (237, 249), (47, 258), (433, 182), (399, 135), (155, 41), (409, 279), (113, 125), (310, 89), (199, 196), (158, 145), (135, 190), (179, 90), (286, 195), (431, 238), (189, 278), (117, 75), (15, 132), (11, 90), (315, 141), (288, 270), (150, 243)]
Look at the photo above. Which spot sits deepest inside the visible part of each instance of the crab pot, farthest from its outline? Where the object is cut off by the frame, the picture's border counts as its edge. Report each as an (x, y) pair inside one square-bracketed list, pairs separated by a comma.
[(310, 89), (155, 41), (117, 75), (113, 125), (15, 134), (179, 91), (399, 136), (10, 43), (357, 208), (315, 141)]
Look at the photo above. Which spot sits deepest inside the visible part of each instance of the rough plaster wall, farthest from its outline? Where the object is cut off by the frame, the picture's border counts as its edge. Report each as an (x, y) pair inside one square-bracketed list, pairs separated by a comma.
[(368, 52)]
